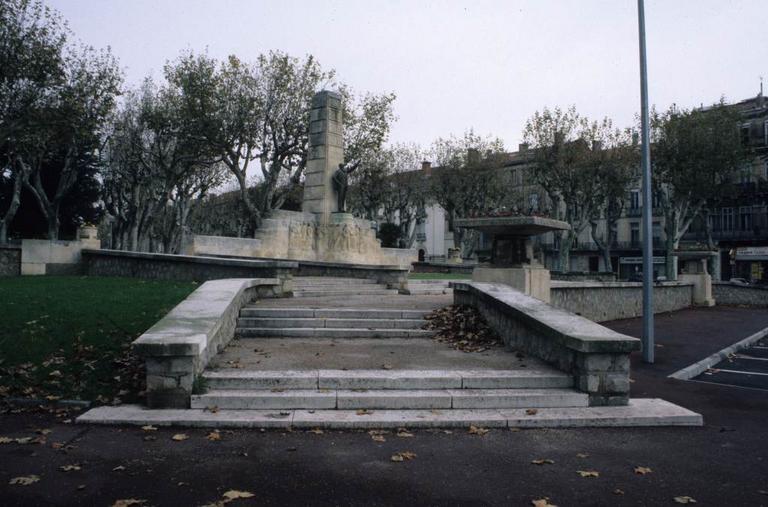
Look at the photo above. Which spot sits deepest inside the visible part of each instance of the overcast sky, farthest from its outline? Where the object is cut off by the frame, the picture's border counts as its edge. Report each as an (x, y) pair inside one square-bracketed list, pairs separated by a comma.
[(488, 65)]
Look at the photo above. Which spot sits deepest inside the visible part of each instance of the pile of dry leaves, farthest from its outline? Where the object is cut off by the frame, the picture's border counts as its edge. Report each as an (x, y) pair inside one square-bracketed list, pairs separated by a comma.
[(463, 328)]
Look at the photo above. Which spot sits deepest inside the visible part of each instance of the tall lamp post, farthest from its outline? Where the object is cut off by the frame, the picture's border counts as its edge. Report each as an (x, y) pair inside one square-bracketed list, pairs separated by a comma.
[(648, 345)]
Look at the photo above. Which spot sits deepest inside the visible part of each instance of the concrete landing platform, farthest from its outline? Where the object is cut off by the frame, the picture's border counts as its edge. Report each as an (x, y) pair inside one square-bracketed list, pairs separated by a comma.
[(362, 353), (639, 412)]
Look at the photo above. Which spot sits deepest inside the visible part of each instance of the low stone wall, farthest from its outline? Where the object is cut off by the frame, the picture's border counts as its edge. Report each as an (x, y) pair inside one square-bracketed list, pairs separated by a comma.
[(54, 257), (10, 261), (731, 294), (597, 357), (603, 301), (442, 267), (182, 267), (583, 276), (180, 345), (395, 277)]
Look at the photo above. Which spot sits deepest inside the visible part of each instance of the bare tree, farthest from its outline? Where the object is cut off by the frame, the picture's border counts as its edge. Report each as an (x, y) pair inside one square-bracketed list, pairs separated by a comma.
[(467, 181), (696, 155)]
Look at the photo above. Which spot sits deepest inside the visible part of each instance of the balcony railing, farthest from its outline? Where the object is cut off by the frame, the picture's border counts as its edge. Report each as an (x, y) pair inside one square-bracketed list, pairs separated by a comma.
[(753, 234)]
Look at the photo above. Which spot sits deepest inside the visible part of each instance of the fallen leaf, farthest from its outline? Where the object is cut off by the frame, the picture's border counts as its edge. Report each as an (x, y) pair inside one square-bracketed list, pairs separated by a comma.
[(542, 502), (212, 409), (233, 494), (402, 433), (118, 468), (213, 436), (531, 411), (127, 502), (178, 437), (582, 455), (684, 499), (149, 427), (618, 491), (69, 468), (642, 470), (588, 473), (25, 480), (403, 456), (316, 431), (386, 366), (364, 411), (476, 430), (378, 438), (6, 440), (543, 462)]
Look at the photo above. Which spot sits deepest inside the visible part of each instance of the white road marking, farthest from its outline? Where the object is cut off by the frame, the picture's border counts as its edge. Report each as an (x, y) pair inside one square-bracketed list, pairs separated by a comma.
[(720, 370), (743, 356)]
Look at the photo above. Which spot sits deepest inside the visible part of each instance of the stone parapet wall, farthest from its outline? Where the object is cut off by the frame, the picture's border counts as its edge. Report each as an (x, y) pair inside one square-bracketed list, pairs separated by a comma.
[(585, 276), (182, 267), (731, 294), (597, 357), (604, 301), (180, 345), (10, 261)]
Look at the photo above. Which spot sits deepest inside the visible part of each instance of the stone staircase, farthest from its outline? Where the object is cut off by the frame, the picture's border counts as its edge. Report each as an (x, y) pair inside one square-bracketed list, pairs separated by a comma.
[(359, 360), (354, 331), (256, 321), (332, 287)]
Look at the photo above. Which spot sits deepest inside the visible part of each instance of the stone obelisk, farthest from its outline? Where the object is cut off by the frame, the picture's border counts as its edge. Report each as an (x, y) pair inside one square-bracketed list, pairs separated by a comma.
[(326, 152)]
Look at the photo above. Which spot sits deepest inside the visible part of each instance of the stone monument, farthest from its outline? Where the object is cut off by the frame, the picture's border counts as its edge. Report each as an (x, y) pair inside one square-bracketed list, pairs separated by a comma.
[(512, 260), (321, 231)]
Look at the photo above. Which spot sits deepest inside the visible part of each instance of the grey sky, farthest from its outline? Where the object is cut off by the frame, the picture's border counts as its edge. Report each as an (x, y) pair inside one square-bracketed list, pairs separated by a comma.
[(456, 65)]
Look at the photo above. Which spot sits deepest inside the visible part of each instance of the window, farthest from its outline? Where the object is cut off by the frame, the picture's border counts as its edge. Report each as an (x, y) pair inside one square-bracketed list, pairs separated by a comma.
[(634, 199), (727, 219), (765, 132), (656, 232), (745, 134), (745, 218), (715, 221), (634, 233)]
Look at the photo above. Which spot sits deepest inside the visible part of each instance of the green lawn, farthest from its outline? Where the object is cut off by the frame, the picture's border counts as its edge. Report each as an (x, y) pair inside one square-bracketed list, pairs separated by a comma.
[(440, 276), (69, 337)]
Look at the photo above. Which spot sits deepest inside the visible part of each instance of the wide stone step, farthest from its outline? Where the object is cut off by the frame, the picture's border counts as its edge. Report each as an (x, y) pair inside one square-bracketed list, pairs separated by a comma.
[(308, 280), (281, 323), (640, 412), (385, 379), (330, 313), (275, 399), (311, 332), (429, 292), (351, 291)]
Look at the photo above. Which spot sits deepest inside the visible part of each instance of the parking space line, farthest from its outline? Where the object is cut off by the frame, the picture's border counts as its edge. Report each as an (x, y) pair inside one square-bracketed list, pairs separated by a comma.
[(742, 356), (720, 370)]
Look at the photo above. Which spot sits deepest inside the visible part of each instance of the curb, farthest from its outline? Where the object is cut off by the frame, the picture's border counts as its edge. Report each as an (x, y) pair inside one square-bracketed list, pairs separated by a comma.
[(700, 367)]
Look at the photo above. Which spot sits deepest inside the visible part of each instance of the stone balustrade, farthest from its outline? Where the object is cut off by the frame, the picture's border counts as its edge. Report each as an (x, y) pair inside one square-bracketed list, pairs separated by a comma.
[(597, 357), (180, 345)]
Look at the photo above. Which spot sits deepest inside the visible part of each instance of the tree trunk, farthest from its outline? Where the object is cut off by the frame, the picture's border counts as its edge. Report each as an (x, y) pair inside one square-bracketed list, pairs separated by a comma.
[(5, 223), (669, 261)]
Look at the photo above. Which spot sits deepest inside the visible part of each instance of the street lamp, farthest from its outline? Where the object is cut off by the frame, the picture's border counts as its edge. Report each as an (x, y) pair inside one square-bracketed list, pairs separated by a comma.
[(648, 345)]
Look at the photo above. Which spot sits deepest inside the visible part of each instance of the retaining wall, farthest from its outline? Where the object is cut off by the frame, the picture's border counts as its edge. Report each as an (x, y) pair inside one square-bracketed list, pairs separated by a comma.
[(603, 301), (10, 261), (157, 266), (730, 294)]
